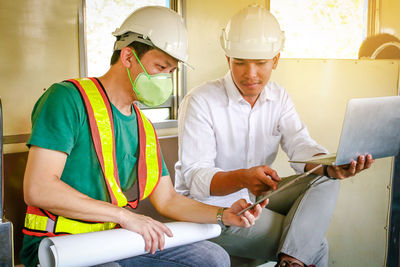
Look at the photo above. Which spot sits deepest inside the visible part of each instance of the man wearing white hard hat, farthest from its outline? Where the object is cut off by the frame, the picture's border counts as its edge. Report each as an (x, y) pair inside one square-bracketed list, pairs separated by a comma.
[(229, 133), (93, 154)]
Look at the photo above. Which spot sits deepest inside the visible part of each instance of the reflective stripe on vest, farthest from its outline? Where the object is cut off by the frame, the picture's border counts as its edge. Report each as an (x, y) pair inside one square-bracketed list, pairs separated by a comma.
[(102, 127), (150, 163), (39, 222)]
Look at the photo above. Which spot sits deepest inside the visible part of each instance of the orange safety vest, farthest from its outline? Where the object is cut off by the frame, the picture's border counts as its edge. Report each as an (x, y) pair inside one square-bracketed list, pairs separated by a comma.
[(39, 222)]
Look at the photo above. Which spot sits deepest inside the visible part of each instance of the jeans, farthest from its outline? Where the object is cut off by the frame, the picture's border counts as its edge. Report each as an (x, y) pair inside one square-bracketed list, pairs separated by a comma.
[(294, 222), (199, 254)]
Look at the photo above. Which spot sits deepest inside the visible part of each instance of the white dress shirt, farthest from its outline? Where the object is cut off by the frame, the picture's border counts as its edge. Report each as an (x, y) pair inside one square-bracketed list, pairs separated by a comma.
[(220, 131)]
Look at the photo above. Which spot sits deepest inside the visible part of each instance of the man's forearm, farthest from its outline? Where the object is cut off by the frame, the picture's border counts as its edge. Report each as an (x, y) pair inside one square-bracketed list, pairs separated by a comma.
[(224, 183), (310, 166), (44, 189), (182, 208), (63, 200), (257, 179), (175, 206)]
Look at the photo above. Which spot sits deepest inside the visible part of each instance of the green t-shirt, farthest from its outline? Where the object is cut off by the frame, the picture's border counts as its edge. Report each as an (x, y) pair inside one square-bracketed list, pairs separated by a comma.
[(59, 122)]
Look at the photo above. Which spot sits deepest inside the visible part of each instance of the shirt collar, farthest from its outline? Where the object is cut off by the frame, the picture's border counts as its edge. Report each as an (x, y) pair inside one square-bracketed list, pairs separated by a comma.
[(234, 95)]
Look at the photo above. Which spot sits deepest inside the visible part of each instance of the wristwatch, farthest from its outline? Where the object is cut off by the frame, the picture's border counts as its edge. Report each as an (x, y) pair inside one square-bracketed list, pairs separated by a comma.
[(219, 218), (326, 174)]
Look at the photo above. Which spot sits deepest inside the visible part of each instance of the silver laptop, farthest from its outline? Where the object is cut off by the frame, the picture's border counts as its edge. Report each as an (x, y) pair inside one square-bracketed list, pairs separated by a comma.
[(371, 126)]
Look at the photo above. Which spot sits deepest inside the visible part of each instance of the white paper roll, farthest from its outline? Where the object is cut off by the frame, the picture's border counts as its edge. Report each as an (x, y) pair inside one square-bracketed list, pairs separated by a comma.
[(107, 246)]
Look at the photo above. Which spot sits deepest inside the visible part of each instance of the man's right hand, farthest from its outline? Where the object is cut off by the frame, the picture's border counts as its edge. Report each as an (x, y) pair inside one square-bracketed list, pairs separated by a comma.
[(152, 231), (260, 179)]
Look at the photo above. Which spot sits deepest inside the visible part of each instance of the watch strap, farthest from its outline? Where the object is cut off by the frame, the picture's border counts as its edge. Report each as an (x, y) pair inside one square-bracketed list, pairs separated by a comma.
[(326, 174), (220, 212)]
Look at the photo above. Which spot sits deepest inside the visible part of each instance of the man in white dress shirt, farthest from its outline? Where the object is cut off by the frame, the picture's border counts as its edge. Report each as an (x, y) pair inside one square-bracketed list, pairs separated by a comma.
[(229, 133)]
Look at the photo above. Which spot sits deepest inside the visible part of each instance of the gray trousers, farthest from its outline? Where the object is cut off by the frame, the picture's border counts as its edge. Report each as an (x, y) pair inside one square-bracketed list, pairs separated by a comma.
[(294, 222), (199, 254)]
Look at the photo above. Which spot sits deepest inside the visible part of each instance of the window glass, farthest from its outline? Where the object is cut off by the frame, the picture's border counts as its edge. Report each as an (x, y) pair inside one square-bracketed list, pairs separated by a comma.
[(157, 115), (321, 28)]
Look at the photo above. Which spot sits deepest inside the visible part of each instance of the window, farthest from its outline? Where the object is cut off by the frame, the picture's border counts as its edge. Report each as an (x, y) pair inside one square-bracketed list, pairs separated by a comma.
[(321, 28), (99, 18)]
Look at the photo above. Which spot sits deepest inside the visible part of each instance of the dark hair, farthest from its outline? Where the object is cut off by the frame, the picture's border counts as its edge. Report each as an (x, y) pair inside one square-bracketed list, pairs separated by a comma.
[(140, 50)]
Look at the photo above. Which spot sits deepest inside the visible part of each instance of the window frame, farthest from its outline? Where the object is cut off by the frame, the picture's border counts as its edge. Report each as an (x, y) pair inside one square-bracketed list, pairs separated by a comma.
[(179, 77)]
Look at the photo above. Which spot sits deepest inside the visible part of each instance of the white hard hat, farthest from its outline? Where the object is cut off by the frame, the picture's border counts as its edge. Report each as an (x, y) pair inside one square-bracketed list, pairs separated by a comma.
[(252, 33), (157, 26)]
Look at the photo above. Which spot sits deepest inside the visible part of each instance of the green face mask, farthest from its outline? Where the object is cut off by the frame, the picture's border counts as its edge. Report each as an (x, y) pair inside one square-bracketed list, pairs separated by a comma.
[(151, 90)]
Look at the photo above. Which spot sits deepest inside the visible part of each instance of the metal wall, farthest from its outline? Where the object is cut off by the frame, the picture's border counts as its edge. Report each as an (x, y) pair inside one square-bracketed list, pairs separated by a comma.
[(205, 19), (39, 46), (389, 22)]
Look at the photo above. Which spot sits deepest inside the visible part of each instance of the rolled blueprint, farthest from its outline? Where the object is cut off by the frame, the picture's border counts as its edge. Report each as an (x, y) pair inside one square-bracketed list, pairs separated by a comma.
[(106, 246)]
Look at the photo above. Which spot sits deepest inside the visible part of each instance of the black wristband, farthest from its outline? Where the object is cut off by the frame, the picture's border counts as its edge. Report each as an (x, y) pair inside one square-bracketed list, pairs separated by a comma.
[(325, 168)]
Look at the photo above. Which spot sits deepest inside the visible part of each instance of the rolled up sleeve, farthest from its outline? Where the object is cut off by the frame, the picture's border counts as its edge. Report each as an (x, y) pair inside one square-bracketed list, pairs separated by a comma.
[(197, 148)]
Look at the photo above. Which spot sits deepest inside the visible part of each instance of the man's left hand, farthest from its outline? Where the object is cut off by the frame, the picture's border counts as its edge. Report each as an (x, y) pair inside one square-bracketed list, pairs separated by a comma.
[(247, 219), (345, 171)]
